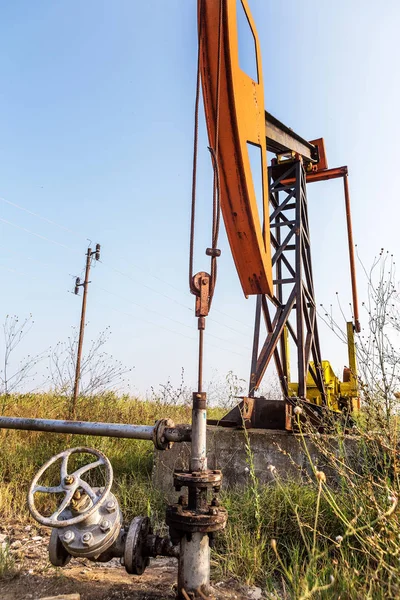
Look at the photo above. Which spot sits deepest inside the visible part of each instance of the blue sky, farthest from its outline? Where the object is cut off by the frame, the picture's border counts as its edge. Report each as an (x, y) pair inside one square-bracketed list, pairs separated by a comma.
[(96, 122)]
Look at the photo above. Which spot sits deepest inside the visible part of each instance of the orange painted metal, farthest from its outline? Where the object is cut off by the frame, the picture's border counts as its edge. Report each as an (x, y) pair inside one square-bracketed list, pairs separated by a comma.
[(237, 119)]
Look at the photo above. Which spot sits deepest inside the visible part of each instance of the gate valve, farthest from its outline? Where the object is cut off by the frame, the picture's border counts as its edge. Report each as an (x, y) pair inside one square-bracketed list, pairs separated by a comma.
[(88, 521)]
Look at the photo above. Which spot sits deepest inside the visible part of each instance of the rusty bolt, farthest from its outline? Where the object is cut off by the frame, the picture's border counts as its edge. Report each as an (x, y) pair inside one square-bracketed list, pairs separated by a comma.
[(105, 525), (87, 538), (111, 506), (69, 480), (68, 536), (215, 502), (181, 500), (213, 511)]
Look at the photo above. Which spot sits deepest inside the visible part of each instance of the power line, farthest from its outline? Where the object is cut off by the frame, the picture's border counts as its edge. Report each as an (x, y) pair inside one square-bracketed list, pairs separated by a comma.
[(19, 272), (170, 298), (160, 314), (146, 286), (50, 221), (30, 212), (42, 237), (174, 331)]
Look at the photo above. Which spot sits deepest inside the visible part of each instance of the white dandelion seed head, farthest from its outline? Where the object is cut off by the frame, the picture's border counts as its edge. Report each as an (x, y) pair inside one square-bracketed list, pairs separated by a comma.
[(339, 539), (298, 410)]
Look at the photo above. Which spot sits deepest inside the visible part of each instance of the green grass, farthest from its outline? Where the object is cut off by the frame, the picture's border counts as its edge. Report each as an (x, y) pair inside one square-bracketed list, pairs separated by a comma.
[(282, 537), (7, 563)]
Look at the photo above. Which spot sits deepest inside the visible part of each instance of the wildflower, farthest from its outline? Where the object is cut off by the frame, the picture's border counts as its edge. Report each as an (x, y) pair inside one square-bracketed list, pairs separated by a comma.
[(298, 410), (321, 477), (273, 545), (271, 468), (339, 539)]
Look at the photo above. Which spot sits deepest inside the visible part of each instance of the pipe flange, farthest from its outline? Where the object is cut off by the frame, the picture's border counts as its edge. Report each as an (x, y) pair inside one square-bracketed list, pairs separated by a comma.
[(180, 518), (136, 558), (198, 479), (159, 439), (58, 554)]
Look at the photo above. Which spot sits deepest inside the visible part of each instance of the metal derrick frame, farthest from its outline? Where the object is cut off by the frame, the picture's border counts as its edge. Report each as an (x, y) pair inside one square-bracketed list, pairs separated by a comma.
[(294, 288)]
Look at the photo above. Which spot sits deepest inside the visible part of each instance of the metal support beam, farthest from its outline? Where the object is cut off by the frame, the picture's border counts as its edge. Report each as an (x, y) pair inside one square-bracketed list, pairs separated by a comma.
[(281, 138)]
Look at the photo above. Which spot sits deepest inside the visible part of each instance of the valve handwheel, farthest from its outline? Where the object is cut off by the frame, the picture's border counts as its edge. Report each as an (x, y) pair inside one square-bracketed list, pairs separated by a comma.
[(69, 484)]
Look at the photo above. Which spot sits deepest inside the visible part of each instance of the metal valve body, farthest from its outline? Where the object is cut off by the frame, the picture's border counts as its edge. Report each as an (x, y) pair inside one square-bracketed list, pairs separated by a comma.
[(89, 523), (93, 536)]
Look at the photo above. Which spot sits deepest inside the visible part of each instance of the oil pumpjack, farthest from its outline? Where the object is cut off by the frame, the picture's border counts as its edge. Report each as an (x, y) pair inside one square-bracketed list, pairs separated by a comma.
[(272, 257), (271, 250)]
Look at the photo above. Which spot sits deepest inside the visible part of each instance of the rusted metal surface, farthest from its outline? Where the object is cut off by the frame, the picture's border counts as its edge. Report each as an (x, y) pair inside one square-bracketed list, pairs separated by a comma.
[(136, 558), (201, 288), (234, 108), (116, 430), (181, 518), (159, 438), (320, 175)]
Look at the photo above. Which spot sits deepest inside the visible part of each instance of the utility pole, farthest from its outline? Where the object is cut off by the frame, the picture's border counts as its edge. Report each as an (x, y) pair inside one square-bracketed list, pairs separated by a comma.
[(84, 284)]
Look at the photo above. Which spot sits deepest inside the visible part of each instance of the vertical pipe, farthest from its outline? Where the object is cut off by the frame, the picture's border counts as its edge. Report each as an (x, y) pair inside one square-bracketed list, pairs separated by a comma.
[(198, 458), (194, 565), (201, 345), (351, 254), (194, 556), (81, 333)]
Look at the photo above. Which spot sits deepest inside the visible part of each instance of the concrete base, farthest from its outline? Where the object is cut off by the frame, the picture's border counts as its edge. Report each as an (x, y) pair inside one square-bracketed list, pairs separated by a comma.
[(226, 450)]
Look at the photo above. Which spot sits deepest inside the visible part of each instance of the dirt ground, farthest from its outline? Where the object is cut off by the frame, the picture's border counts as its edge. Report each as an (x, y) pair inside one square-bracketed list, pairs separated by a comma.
[(35, 578)]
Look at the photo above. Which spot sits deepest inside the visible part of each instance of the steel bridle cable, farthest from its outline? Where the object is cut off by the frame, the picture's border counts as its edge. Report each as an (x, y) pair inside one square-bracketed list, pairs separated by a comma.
[(195, 152), (214, 155)]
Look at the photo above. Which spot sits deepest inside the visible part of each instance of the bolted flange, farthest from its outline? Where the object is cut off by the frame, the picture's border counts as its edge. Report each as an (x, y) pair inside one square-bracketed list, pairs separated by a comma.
[(136, 558), (181, 519), (159, 439)]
